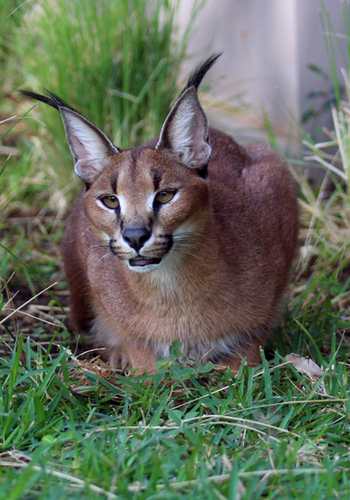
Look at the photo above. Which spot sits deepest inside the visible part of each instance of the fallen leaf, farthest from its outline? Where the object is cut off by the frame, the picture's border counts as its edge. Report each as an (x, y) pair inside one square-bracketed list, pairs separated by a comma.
[(305, 365)]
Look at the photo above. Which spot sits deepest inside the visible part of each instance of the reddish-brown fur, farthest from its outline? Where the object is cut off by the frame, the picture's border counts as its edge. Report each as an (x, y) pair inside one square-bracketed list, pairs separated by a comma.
[(230, 284), (219, 288)]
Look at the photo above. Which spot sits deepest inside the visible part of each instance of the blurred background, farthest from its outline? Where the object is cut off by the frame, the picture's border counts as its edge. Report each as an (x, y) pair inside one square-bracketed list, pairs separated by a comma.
[(283, 79), (278, 61)]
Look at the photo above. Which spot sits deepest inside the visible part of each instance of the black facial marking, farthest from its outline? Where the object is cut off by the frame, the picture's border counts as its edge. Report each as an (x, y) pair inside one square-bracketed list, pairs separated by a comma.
[(111, 247), (114, 183), (156, 207), (203, 171), (169, 243), (133, 164), (166, 242), (156, 179)]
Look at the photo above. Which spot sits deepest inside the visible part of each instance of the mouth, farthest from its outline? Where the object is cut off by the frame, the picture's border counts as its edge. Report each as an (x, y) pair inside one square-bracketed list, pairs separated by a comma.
[(140, 261)]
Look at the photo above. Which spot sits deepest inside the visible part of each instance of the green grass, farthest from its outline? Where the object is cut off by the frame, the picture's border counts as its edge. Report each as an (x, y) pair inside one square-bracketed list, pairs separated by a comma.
[(186, 433), (69, 427), (10, 18)]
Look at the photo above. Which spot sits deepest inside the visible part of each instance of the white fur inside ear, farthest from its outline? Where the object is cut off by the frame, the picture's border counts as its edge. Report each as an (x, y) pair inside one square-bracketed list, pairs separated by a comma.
[(88, 144), (85, 140), (89, 170), (186, 130), (186, 136), (180, 134)]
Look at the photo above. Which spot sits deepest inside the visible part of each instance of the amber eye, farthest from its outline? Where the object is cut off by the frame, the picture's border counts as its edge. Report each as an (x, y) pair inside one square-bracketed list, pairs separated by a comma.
[(110, 201), (164, 197)]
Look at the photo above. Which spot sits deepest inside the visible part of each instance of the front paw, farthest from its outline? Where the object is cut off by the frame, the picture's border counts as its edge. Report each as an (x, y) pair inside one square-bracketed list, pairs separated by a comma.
[(252, 358), (135, 358)]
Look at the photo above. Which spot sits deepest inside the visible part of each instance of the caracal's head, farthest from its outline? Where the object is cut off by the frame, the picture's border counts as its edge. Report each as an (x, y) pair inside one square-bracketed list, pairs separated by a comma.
[(149, 203), (146, 205)]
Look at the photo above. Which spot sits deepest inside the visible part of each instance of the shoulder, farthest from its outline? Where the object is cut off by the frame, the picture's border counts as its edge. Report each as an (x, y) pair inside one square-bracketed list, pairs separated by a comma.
[(267, 169), (227, 160), (224, 147), (251, 176)]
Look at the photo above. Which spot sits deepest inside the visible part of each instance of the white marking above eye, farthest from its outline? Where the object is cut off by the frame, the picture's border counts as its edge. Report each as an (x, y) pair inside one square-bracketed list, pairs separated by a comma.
[(150, 200), (122, 203)]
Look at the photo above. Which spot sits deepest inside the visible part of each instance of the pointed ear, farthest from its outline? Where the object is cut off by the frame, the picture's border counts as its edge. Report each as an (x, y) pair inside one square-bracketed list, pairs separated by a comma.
[(88, 144), (185, 130)]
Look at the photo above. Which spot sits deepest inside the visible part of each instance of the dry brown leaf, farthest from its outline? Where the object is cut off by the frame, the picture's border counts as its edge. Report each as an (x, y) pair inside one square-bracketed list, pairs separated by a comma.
[(305, 365)]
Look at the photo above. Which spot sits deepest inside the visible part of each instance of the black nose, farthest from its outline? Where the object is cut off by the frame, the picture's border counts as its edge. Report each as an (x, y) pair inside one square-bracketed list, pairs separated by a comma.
[(136, 236)]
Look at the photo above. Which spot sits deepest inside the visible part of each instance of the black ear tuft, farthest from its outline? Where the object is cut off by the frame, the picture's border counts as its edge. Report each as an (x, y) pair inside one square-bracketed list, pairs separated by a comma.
[(51, 99), (58, 101), (39, 97), (198, 74), (185, 130)]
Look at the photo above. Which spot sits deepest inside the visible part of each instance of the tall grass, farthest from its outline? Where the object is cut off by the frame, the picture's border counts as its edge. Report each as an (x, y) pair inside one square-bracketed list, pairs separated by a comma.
[(10, 15), (326, 211), (115, 61)]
